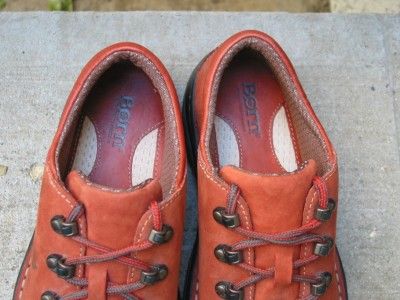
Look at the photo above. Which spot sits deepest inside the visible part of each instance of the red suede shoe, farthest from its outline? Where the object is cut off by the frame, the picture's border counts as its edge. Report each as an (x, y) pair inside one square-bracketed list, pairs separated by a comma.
[(267, 179), (110, 217)]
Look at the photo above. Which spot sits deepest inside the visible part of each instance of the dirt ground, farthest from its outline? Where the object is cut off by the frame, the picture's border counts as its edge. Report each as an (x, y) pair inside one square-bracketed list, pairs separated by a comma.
[(226, 5)]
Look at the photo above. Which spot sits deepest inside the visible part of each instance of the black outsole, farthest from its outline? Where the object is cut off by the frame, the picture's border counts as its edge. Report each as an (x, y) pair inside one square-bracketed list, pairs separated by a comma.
[(188, 123), (191, 149)]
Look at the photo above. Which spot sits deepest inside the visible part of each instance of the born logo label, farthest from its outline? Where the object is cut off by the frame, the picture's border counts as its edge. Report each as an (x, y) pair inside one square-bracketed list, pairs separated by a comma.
[(119, 128), (250, 103)]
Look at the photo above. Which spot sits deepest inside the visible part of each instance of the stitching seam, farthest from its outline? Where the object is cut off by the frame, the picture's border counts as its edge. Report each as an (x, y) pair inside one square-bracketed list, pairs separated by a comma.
[(202, 166), (338, 281), (25, 276), (56, 188)]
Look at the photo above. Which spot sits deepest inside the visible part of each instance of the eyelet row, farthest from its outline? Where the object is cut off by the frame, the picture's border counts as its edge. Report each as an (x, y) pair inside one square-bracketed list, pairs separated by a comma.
[(225, 289), (56, 262), (225, 254)]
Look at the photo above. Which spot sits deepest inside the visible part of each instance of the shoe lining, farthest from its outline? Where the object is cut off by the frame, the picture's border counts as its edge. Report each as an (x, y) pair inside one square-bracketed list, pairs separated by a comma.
[(118, 140), (309, 140), (166, 163), (252, 130)]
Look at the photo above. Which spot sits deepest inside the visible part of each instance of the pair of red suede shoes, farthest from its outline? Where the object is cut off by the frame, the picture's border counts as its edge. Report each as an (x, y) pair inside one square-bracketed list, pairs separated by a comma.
[(110, 218)]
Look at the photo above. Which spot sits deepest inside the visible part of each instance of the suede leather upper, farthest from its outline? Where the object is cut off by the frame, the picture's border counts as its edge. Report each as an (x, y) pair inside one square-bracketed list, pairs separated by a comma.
[(112, 218), (275, 205), (268, 203)]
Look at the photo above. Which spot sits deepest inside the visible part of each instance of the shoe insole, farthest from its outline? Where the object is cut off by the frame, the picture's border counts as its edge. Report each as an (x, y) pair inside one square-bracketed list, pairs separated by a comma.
[(252, 126), (118, 144)]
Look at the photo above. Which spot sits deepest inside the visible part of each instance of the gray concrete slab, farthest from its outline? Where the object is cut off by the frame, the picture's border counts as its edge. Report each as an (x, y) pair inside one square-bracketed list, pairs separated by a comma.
[(365, 6), (349, 65)]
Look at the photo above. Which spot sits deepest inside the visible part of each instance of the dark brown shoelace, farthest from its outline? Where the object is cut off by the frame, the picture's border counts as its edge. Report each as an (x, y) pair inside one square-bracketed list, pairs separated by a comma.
[(126, 291), (293, 237)]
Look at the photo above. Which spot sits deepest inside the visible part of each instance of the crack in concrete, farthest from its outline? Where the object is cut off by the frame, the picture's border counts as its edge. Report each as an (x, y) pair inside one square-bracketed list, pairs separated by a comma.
[(390, 74)]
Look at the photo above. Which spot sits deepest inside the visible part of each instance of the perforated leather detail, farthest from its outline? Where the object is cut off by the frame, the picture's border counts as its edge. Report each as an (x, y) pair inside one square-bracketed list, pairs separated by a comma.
[(86, 150), (228, 148), (143, 160), (282, 141)]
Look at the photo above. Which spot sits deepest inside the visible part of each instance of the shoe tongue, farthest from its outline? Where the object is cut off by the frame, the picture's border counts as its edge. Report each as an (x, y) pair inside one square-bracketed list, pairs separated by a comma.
[(276, 201), (112, 215)]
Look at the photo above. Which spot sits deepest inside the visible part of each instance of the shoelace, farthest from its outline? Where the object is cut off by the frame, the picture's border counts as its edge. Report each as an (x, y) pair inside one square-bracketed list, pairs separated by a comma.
[(293, 237), (107, 254)]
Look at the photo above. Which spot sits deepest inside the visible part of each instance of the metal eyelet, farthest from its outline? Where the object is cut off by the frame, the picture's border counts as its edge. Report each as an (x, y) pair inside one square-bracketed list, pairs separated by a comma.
[(226, 291), (56, 263), (64, 228), (161, 237), (225, 254), (49, 296), (319, 288), (323, 249), (229, 221), (324, 214), (156, 274)]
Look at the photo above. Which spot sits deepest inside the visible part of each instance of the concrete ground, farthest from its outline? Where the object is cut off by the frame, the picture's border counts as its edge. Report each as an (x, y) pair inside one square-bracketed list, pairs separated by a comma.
[(350, 68)]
